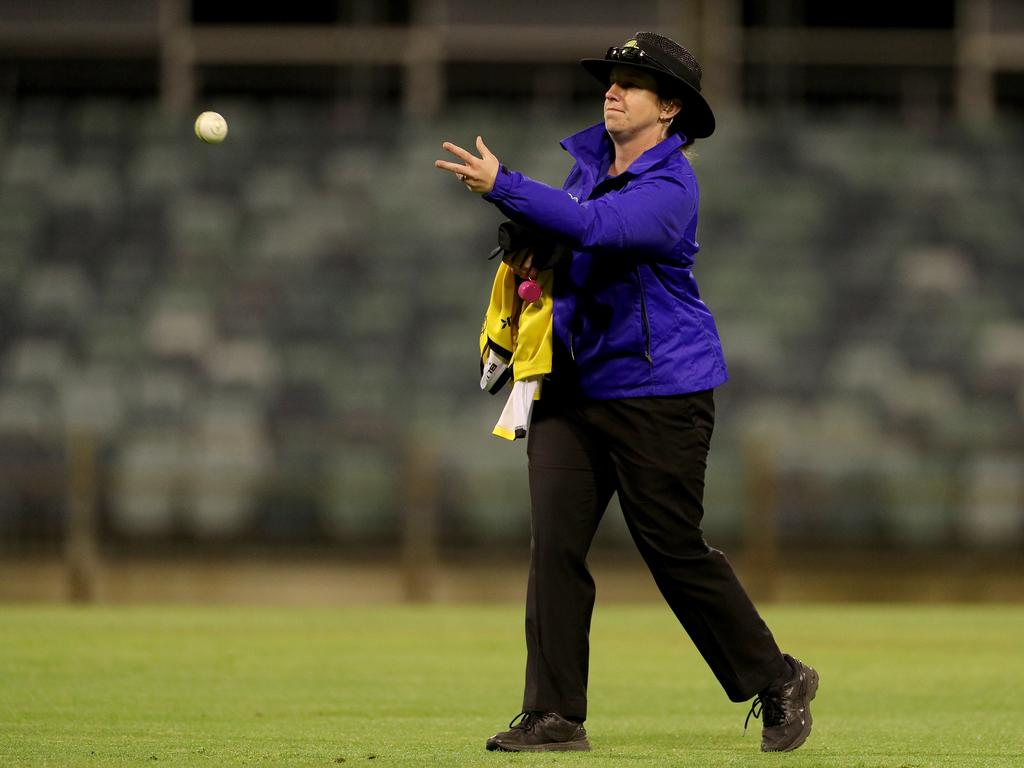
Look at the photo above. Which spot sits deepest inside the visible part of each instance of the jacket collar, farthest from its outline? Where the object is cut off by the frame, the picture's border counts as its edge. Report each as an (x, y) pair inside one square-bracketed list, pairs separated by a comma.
[(592, 147)]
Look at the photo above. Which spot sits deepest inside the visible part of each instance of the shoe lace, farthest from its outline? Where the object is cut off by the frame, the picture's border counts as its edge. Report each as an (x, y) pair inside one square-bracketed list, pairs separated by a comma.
[(766, 708), (524, 721)]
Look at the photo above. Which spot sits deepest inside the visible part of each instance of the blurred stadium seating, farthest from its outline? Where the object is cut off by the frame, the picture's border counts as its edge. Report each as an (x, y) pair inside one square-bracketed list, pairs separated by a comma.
[(254, 333)]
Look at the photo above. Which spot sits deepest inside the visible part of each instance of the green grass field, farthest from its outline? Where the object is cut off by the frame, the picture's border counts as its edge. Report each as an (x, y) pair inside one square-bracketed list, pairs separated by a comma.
[(901, 686)]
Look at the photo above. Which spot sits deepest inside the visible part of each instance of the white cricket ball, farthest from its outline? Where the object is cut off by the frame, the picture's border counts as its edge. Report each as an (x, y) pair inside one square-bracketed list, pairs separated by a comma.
[(211, 127)]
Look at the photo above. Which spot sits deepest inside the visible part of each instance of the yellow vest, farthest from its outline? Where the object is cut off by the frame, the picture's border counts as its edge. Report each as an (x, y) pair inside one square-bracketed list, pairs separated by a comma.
[(518, 333)]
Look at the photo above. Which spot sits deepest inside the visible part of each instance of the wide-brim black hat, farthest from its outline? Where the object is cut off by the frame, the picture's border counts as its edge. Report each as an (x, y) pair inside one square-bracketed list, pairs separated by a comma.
[(676, 70)]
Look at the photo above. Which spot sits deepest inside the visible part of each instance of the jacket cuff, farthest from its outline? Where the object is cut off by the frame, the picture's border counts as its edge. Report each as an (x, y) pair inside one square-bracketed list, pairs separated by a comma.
[(502, 184)]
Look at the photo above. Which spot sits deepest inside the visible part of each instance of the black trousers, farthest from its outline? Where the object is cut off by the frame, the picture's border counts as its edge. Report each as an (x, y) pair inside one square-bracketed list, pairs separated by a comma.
[(653, 452)]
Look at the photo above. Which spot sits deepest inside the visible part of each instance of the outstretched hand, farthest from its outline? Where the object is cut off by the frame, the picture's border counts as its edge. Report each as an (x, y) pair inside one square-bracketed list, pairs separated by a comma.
[(477, 173)]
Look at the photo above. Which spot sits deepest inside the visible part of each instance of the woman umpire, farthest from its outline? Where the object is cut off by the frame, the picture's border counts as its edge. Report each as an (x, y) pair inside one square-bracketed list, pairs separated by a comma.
[(628, 406)]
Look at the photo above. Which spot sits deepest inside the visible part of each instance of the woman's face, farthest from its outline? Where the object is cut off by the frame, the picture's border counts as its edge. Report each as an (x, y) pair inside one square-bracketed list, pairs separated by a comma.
[(631, 103)]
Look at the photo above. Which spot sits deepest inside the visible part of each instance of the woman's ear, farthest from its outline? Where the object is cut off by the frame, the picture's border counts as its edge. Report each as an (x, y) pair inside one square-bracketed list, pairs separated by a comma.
[(670, 108)]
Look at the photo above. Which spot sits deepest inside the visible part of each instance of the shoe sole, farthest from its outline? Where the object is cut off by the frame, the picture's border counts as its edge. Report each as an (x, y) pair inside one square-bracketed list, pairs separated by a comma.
[(580, 745), (812, 687)]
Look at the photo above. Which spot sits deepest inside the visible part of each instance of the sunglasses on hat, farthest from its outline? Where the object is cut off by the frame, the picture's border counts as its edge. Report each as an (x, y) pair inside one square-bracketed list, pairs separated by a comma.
[(631, 54)]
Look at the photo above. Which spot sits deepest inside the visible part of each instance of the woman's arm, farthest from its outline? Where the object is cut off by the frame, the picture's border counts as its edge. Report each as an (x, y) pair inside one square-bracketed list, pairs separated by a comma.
[(651, 214)]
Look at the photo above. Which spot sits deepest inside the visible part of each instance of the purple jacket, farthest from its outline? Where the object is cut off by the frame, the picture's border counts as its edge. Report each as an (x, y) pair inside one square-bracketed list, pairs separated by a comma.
[(627, 305)]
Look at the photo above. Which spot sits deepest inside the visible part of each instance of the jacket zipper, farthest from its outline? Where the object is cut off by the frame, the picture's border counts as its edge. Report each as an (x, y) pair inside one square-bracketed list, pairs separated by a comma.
[(643, 314)]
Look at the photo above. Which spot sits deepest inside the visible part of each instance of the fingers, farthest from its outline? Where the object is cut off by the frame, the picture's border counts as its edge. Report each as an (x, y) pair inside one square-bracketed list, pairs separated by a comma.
[(515, 258), (521, 263), (527, 269), (459, 170), (459, 152), (477, 173), (463, 172)]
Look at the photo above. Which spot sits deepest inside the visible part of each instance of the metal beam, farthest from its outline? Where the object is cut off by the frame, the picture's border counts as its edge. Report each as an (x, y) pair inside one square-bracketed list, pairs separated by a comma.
[(849, 47), (41, 40), (975, 89), (300, 44)]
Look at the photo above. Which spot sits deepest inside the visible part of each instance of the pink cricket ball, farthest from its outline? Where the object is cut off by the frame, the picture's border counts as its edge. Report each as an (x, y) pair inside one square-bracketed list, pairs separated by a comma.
[(529, 291)]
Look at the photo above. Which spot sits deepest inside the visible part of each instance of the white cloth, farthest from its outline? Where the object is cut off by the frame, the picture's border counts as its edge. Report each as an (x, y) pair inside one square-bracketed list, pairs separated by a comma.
[(514, 421)]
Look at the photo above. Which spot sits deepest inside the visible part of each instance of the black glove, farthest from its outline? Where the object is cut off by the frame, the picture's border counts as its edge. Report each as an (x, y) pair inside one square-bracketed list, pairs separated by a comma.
[(548, 251)]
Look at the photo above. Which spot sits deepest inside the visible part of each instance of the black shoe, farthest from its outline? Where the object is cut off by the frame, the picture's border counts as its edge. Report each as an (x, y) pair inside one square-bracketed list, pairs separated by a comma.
[(785, 711), (540, 732)]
